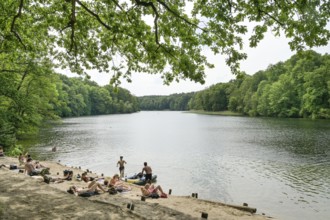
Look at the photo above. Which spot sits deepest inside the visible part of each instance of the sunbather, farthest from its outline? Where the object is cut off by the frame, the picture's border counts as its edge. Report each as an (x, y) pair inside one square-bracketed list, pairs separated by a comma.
[(118, 184), (30, 169), (92, 189), (150, 189)]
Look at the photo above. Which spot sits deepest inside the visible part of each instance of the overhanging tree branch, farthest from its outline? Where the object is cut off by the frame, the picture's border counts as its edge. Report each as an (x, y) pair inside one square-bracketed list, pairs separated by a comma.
[(179, 16), (94, 15), (12, 28), (150, 4), (72, 24)]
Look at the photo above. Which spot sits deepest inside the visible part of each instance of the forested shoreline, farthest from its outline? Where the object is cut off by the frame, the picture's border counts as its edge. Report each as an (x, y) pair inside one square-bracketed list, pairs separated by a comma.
[(33, 94), (296, 88)]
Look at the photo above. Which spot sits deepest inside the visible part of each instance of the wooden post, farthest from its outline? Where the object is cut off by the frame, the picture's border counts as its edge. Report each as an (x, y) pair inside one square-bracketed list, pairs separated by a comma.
[(204, 215)]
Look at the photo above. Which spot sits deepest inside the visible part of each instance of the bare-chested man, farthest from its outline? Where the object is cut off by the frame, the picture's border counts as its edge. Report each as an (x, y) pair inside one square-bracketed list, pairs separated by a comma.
[(30, 169), (121, 163), (148, 171)]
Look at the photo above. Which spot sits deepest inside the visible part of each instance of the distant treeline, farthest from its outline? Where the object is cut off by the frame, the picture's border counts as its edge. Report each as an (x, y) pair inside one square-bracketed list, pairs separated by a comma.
[(298, 87), (34, 94), (80, 97)]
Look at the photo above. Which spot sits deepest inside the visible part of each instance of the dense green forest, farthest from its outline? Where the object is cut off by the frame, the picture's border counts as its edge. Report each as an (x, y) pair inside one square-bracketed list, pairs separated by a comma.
[(298, 87), (174, 102), (114, 37), (33, 94)]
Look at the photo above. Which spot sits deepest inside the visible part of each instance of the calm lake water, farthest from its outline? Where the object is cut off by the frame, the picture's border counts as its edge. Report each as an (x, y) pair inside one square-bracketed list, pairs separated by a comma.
[(279, 166)]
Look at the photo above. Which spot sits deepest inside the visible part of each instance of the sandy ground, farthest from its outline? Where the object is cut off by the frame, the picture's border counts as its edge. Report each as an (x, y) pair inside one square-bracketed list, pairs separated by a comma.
[(25, 197)]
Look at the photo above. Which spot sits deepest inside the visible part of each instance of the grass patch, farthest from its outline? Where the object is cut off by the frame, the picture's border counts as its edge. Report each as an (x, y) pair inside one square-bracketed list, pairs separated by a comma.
[(223, 113)]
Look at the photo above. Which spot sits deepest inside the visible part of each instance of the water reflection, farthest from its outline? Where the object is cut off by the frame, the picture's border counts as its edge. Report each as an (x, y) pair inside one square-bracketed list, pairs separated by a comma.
[(280, 166)]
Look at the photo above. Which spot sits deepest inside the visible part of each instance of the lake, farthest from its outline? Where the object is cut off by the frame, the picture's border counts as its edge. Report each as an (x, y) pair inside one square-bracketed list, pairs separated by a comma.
[(279, 166)]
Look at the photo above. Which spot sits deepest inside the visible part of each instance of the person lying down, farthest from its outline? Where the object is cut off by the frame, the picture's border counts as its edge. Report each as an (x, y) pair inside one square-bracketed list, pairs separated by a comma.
[(93, 188)]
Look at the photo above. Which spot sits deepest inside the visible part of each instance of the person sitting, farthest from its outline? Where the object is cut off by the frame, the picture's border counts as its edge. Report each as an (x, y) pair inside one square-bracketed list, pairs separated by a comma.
[(21, 159), (2, 154), (149, 189), (93, 188), (119, 185), (30, 169)]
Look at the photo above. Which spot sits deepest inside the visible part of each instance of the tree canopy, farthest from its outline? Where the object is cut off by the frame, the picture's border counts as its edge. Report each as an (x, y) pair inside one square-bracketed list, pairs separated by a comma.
[(296, 88), (150, 36)]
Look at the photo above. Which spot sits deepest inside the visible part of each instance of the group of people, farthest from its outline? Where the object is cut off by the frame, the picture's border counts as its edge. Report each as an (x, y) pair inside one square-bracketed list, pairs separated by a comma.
[(146, 169), (31, 167), (95, 184), (149, 190)]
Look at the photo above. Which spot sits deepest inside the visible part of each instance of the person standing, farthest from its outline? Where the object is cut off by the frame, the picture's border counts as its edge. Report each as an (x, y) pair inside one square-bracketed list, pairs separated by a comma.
[(148, 171), (121, 163)]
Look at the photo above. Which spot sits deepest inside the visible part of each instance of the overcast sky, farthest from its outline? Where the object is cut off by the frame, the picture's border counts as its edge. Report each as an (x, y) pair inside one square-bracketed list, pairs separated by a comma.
[(270, 50)]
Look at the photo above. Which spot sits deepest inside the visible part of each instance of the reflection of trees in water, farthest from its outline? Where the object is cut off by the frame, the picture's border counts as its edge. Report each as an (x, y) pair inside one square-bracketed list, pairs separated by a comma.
[(298, 136)]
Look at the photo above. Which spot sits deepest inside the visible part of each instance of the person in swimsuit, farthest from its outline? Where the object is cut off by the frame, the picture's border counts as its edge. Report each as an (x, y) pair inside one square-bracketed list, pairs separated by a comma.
[(93, 188), (121, 163), (149, 189), (148, 171), (30, 169), (118, 184)]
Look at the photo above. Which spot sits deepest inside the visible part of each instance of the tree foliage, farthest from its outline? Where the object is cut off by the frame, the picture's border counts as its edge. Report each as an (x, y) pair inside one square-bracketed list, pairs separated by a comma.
[(158, 37), (174, 102), (32, 95), (298, 87)]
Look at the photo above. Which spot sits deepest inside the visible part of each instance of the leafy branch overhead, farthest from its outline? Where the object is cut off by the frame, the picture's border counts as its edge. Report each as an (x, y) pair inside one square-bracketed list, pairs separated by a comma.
[(156, 36)]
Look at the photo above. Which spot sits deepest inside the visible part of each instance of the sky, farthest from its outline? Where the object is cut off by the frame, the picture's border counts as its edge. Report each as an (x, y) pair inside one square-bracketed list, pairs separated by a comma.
[(270, 50)]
